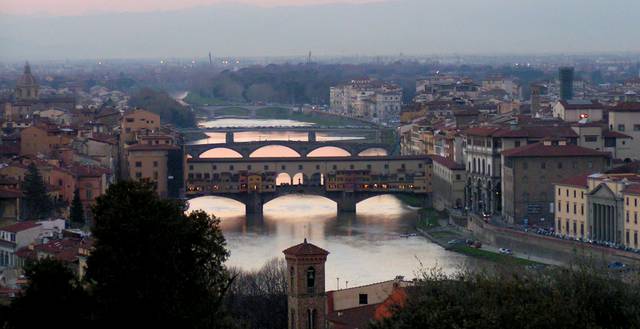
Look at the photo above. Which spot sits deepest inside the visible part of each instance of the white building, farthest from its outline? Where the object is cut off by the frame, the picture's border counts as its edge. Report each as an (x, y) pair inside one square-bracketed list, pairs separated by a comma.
[(367, 99)]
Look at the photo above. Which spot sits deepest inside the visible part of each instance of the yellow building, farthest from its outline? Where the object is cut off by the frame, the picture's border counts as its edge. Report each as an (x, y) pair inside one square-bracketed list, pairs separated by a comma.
[(43, 140), (599, 207), (157, 164)]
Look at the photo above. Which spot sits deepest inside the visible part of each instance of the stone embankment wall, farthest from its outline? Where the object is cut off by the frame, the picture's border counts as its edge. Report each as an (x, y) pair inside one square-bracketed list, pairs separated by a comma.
[(565, 251)]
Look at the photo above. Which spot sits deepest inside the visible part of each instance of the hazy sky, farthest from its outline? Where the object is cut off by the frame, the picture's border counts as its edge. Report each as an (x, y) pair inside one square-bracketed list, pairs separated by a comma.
[(82, 7), (91, 29)]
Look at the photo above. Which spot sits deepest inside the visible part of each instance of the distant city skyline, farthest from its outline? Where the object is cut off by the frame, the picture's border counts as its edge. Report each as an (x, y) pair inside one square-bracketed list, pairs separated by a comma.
[(74, 29)]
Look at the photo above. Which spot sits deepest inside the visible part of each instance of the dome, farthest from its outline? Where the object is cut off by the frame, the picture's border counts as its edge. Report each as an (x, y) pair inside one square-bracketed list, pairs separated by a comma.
[(27, 79)]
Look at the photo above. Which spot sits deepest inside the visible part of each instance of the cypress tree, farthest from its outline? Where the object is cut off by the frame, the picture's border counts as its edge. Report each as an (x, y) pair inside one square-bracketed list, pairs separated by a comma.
[(77, 211), (35, 201)]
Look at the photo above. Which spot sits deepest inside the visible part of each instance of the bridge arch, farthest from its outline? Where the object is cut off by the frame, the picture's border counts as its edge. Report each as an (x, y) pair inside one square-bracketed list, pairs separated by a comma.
[(263, 152), (325, 151), (373, 151), (220, 153)]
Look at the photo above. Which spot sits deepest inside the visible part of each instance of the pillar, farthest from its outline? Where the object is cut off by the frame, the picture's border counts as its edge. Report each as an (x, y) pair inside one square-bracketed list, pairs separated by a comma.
[(311, 136), (229, 137), (347, 202), (253, 203)]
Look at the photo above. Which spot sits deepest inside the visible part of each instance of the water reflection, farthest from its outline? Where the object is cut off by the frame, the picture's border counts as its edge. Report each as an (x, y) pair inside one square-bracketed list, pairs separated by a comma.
[(222, 123), (359, 243)]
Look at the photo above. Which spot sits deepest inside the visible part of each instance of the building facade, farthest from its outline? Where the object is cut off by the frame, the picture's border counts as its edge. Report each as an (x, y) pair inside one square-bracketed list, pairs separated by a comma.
[(528, 175)]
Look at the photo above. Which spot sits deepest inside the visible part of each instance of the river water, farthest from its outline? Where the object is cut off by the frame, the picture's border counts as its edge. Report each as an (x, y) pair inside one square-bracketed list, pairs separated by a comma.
[(365, 247)]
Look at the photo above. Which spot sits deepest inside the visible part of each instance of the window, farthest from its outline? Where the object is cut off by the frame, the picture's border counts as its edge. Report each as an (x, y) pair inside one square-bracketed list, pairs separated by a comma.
[(620, 127), (155, 175), (575, 208), (517, 143), (138, 164), (574, 193), (363, 299), (318, 167), (300, 167), (559, 191), (283, 167), (525, 165), (627, 216), (636, 127), (635, 217), (266, 167), (559, 206), (591, 138), (575, 227), (627, 237), (559, 165), (635, 238), (351, 167), (231, 167), (543, 165), (369, 166), (458, 177), (155, 164), (386, 166), (582, 229), (311, 280), (582, 209), (138, 175), (335, 167), (635, 202)]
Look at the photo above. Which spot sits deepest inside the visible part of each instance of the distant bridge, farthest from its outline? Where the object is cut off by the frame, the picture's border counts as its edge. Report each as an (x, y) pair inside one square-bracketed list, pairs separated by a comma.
[(346, 180)]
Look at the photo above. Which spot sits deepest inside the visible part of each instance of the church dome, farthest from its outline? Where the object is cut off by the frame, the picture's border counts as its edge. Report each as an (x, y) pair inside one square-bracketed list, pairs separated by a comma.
[(27, 79)]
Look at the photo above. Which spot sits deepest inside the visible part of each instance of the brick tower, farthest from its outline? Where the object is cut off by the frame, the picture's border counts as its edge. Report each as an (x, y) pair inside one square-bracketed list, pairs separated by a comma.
[(305, 276)]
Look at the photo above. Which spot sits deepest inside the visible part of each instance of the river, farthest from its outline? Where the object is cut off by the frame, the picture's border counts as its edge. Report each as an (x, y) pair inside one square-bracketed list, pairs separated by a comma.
[(365, 247)]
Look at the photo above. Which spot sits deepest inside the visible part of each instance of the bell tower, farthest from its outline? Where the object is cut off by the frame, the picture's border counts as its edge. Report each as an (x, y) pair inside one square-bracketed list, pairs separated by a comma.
[(305, 277)]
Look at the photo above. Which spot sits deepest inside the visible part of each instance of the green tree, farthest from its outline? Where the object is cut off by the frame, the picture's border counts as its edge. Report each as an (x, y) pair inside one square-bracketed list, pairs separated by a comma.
[(77, 211), (159, 102), (557, 298), (153, 265), (52, 291), (35, 201)]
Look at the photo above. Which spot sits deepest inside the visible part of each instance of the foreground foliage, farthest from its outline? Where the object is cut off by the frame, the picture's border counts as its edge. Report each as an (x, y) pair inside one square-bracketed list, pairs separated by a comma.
[(556, 298), (153, 266)]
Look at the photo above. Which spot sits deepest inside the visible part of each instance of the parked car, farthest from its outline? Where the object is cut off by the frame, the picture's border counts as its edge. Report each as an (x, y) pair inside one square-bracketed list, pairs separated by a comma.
[(505, 251), (618, 266)]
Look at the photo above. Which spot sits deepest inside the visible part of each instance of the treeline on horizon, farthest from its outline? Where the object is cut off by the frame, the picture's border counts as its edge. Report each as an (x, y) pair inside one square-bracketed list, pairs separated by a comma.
[(310, 83)]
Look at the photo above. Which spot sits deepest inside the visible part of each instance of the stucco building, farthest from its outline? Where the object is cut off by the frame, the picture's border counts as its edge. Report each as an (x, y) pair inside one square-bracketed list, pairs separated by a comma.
[(528, 174)]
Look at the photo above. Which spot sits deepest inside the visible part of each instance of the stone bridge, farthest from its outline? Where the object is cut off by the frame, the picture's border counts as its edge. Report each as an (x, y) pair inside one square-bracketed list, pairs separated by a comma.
[(346, 201), (303, 148)]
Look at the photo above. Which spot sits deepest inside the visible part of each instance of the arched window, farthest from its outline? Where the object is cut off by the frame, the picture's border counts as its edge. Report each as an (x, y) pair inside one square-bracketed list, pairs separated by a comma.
[(311, 280), (291, 276)]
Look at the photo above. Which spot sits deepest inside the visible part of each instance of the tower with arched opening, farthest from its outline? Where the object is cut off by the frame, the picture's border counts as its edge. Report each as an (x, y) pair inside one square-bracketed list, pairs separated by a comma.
[(305, 278)]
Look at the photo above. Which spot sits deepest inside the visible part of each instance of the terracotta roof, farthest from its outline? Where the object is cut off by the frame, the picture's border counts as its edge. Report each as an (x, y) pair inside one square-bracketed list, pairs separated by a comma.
[(7, 193), (357, 317), (614, 134), (581, 105), (626, 107), (579, 181), (447, 162), (541, 150), (305, 249), (147, 147), (536, 132), (19, 227), (482, 131)]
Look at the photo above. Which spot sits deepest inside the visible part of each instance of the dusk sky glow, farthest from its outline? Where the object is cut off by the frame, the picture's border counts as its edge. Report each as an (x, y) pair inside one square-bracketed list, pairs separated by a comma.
[(81, 7), (81, 29)]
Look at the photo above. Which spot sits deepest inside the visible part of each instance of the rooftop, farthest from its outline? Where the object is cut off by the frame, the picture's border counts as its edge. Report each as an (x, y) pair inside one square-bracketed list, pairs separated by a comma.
[(542, 150), (305, 249), (20, 226)]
